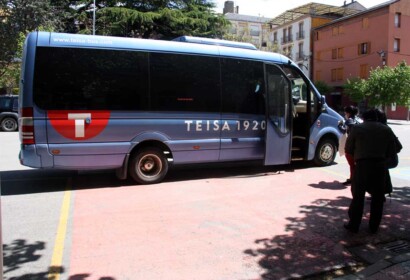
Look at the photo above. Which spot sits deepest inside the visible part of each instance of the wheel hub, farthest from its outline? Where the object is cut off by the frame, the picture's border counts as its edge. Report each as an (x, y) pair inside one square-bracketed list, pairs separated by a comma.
[(148, 165)]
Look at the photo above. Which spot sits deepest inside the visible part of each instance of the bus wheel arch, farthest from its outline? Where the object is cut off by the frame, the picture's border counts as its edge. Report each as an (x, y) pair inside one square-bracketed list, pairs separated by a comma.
[(148, 162), (326, 150)]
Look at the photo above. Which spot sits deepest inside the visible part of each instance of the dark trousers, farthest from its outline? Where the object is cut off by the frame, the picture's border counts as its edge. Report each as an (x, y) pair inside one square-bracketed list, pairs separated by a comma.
[(369, 176)]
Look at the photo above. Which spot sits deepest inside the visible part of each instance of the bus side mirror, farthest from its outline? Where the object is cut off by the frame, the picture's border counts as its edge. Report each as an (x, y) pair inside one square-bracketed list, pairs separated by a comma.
[(323, 102)]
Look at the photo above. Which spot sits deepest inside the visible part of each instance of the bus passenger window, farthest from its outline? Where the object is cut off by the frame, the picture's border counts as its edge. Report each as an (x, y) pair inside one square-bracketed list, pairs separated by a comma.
[(90, 79), (243, 87), (184, 83)]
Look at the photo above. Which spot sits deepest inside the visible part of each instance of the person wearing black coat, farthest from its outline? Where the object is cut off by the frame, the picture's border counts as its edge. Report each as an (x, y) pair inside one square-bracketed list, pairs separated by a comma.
[(371, 144)]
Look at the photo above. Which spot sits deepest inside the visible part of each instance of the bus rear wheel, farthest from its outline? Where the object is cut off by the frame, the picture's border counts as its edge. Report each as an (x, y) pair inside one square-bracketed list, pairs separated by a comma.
[(148, 166), (325, 152)]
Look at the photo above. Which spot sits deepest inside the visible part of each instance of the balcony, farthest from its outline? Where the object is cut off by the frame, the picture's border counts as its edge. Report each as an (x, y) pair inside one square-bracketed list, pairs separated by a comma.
[(287, 39), (300, 35)]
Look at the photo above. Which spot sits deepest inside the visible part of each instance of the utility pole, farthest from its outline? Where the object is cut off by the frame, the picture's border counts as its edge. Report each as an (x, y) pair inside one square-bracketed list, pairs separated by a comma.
[(94, 19)]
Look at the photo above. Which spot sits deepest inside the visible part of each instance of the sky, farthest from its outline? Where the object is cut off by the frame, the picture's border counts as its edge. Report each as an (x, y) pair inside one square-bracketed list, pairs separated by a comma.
[(273, 8)]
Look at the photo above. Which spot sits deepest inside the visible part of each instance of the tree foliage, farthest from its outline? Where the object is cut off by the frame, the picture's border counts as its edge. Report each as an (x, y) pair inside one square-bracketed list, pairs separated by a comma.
[(323, 88), (163, 19), (384, 86), (23, 16)]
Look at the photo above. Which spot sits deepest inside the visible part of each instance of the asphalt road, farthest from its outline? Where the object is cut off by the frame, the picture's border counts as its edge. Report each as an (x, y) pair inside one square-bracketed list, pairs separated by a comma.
[(244, 222)]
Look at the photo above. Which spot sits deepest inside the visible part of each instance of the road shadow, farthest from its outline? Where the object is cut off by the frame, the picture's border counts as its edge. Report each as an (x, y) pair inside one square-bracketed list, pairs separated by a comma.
[(19, 252), (317, 242), (335, 185), (20, 182), (20, 255)]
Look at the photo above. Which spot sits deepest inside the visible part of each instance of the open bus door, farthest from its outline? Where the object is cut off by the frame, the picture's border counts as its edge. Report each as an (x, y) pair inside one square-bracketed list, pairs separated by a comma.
[(278, 135)]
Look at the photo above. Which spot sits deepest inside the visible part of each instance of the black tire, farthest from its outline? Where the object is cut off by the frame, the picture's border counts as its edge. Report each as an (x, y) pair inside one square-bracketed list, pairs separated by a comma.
[(148, 166), (325, 152), (9, 124)]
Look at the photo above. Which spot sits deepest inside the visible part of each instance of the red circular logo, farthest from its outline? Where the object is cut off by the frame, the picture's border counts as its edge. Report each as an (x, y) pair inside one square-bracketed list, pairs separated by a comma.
[(79, 125)]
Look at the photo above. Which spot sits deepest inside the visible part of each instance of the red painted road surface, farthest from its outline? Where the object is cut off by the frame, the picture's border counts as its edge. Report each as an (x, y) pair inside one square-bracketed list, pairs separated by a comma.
[(247, 225)]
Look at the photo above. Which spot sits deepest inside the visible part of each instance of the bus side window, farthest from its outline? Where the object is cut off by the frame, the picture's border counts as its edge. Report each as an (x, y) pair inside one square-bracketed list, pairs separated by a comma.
[(243, 87), (184, 83), (90, 79)]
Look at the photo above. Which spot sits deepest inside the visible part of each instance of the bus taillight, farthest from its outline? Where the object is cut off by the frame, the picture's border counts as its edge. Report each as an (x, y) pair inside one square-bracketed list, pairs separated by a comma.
[(26, 126)]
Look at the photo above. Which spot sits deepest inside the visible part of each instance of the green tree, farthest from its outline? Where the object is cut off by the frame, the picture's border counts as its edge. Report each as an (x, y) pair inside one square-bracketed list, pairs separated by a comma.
[(355, 88), (23, 16), (385, 86), (323, 88), (9, 79), (389, 85), (163, 19)]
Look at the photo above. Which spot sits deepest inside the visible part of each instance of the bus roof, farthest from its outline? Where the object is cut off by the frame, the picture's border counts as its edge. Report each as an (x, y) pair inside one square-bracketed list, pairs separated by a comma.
[(51, 39), (217, 42)]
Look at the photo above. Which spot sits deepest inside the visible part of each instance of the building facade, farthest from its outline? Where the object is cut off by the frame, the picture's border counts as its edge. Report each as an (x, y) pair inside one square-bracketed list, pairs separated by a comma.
[(250, 29), (351, 46), (291, 33)]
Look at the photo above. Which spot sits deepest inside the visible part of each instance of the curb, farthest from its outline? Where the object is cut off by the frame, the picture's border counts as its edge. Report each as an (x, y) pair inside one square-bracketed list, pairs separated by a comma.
[(391, 268)]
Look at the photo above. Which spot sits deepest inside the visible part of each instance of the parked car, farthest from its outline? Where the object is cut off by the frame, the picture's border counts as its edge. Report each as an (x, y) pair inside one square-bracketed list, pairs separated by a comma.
[(9, 113)]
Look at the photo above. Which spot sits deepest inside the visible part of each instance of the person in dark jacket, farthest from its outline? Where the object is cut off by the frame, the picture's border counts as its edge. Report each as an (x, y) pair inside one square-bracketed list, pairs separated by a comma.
[(371, 144)]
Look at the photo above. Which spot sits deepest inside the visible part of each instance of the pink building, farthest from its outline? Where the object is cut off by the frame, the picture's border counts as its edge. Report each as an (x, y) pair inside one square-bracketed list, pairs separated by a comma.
[(351, 46)]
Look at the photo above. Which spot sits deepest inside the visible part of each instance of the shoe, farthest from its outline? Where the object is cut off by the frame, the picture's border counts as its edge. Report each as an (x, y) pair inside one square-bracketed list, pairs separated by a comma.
[(350, 228), (347, 182)]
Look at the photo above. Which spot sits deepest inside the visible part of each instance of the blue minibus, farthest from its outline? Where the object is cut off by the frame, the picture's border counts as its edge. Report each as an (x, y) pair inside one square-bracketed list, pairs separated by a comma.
[(139, 106)]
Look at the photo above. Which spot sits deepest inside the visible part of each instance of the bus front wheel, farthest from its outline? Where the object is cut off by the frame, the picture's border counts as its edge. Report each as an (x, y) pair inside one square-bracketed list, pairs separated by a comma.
[(9, 124), (149, 166), (325, 152)]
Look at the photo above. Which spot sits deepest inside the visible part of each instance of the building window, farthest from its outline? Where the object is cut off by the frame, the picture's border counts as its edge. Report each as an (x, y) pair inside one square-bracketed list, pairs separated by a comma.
[(396, 45), (340, 52), (316, 36), (363, 48), (337, 30), (337, 53), (275, 37), (284, 37), (301, 33), (364, 71), (334, 53), (337, 74), (255, 31), (301, 55), (290, 35), (365, 22), (340, 74), (397, 20), (318, 75), (333, 75)]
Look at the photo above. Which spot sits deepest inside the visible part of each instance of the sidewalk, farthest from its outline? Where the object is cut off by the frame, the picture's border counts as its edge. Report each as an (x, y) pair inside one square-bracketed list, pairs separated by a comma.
[(397, 267), (398, 122), (384, 255)]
